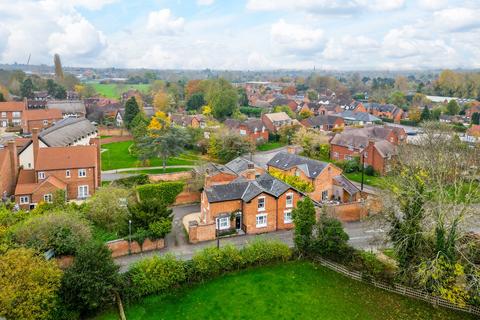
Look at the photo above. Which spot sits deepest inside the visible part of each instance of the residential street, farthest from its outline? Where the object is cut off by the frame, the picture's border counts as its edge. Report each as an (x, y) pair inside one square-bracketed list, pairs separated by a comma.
[(362, 236)]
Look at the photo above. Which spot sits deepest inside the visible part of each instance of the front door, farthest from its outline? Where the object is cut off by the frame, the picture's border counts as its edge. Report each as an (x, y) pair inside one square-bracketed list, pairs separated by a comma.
[(238, 221)]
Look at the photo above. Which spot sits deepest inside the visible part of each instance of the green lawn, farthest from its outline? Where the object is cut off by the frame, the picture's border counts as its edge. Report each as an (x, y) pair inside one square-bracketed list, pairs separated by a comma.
[(117, 156), (296, 290), (270, 146), (368, 180), (114, 90), (158, 171)]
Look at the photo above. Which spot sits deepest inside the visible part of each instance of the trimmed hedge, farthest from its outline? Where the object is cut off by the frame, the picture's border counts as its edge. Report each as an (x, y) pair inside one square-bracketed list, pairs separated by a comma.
[(160, 274), (164, 191), (132, 181)]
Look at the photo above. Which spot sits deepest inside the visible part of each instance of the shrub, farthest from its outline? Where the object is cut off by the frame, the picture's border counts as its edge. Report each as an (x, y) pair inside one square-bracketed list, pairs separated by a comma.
[(372, 268), (155, 275), (331, 240), (89, 284), (62, 231), (147, 212), (351, 165), (160, 228), (260, 252), (165, 192), (369, 171), (132, 181), (212, 262), (108, 209)]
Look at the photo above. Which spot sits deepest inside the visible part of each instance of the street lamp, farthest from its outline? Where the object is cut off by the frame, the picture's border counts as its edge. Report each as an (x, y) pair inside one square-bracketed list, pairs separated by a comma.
[(129, 237), (363, 169)]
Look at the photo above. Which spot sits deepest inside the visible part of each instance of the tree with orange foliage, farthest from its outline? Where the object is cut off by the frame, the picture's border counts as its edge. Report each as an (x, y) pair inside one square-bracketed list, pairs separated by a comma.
[(290, 90), (193, 86)]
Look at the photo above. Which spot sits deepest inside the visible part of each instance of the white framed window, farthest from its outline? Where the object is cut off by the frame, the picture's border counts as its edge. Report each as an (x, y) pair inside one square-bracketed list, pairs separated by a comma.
[(47, 197), (41, 175), (67, 173), (4, 114), (289, 200), (261, 220), (16, 114), (45, 122), (324, 195), (16, 122), (287, 216), (243, 132), (261, 204), (223, 223), (24, 199), (82, 173), (82, 192)]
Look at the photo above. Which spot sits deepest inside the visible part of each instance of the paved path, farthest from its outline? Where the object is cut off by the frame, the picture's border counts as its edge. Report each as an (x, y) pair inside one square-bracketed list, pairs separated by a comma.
[(362, 236), (111, 175)]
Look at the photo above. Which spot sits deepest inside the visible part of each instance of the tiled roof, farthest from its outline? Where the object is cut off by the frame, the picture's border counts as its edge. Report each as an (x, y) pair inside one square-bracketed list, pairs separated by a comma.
[(320, 120), (54, 158), (67, 131), (358, 116), (238, 165), (68, 106), (278, 116), (29, 188), (43, 114), (358, 137), (12, 106), (246, 190), (285, 160), (346, 184)]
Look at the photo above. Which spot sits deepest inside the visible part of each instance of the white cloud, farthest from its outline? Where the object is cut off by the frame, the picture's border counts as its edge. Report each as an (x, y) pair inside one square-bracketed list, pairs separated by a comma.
[(162, 22), (457, 19), (325, 6), (296, 38), (205, 2), (433, 4), (89, 4), (349, 47)]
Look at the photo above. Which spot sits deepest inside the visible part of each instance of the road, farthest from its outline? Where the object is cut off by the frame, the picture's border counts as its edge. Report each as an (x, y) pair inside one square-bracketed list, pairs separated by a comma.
[(362, 236)]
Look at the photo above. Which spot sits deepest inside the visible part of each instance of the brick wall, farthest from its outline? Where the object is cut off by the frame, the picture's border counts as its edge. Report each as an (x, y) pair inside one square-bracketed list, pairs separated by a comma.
[(174, 176), (347, 212), (116, 139), (113, 131), (186, 197), (119, 247), (204, 232)]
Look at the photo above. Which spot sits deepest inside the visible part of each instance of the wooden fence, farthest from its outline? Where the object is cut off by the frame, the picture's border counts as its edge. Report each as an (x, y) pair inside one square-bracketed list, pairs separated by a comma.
[(399, 289)]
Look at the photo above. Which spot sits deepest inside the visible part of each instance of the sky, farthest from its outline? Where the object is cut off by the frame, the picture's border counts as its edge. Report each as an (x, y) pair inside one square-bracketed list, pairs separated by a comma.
[(243, 34)]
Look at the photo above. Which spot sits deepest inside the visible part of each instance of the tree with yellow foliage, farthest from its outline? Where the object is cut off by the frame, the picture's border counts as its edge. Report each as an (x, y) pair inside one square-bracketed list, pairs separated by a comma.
[(207, 110), (29, 285), (414, 114), (159, 121)]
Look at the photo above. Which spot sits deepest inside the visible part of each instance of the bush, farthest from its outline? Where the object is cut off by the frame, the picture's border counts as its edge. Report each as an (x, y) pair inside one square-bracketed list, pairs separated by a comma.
[(147, 212), (369, 171), (351, 165), (251, 111), (160, 228), (374, 269), (165, 192), (331, 240), (155, 275), (64, 232), (409, 123), (132, 181), (260, 252), (212, 262), (89, 284)]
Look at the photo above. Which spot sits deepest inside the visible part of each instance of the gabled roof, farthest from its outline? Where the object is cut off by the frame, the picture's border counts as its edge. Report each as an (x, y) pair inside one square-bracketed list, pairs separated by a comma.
[(358, 137), (320, 120), (278, 116), (68, 106), (12, 106), (358, 116), (239, 165), (246, 190), (59, 158), (284, 160), (31, 187), (43, 114), (67, 131), (345, 184)]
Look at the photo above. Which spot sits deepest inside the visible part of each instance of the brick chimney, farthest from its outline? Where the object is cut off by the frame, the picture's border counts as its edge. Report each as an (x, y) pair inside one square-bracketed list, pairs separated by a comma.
[(292, 149), (12, 150), (250, 173), (36, 145)]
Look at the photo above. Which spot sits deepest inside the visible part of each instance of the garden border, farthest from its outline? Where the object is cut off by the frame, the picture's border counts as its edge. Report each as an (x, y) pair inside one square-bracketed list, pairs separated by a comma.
[(397, 288)]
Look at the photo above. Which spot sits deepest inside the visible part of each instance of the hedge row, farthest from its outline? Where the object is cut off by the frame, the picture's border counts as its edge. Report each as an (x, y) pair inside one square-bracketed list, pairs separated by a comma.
[(160, 274), (164, 191), (132, 181)]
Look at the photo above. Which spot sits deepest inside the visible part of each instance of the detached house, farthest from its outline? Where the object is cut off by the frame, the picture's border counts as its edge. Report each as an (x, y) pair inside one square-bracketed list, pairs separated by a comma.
[(389, 111), (324, 122), (274, 121), (11, 114), (326, 178), (194, 121), (254, 129), (74, 169)]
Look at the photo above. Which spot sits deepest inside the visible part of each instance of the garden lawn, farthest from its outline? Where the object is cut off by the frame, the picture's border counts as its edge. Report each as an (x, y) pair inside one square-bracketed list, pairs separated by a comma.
[(115, 90), (295, 290), (367, 180), (117, 156), (270, 146)]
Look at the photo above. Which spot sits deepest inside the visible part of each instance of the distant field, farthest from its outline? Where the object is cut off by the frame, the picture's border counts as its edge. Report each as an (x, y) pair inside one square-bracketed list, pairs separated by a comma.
[(114, 90)]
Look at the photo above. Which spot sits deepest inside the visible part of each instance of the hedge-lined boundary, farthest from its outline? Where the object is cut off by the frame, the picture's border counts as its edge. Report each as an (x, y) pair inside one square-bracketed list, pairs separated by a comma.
[(164, 191), (160, 274)]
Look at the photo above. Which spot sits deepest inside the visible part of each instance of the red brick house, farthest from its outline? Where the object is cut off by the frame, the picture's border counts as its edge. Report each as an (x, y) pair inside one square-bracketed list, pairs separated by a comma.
[(254, 129), (274, 121), (324, 122), (12, 113), (327, 179), (250, 204), (389, 111), (75, 169), (40, 118), (376, 143)]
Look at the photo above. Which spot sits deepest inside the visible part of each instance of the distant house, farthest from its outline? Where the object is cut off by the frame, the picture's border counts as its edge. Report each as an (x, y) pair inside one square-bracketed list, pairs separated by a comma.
[(326, 178), (453, 119), (285, 102), (389, 111), (274, 121), (253, 128), (194, 121), (120, 115), (40, 119), (324, 122), (377, 144), (358, 118), (69, 108), (12, 113), (327, 109), (474, 109)]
